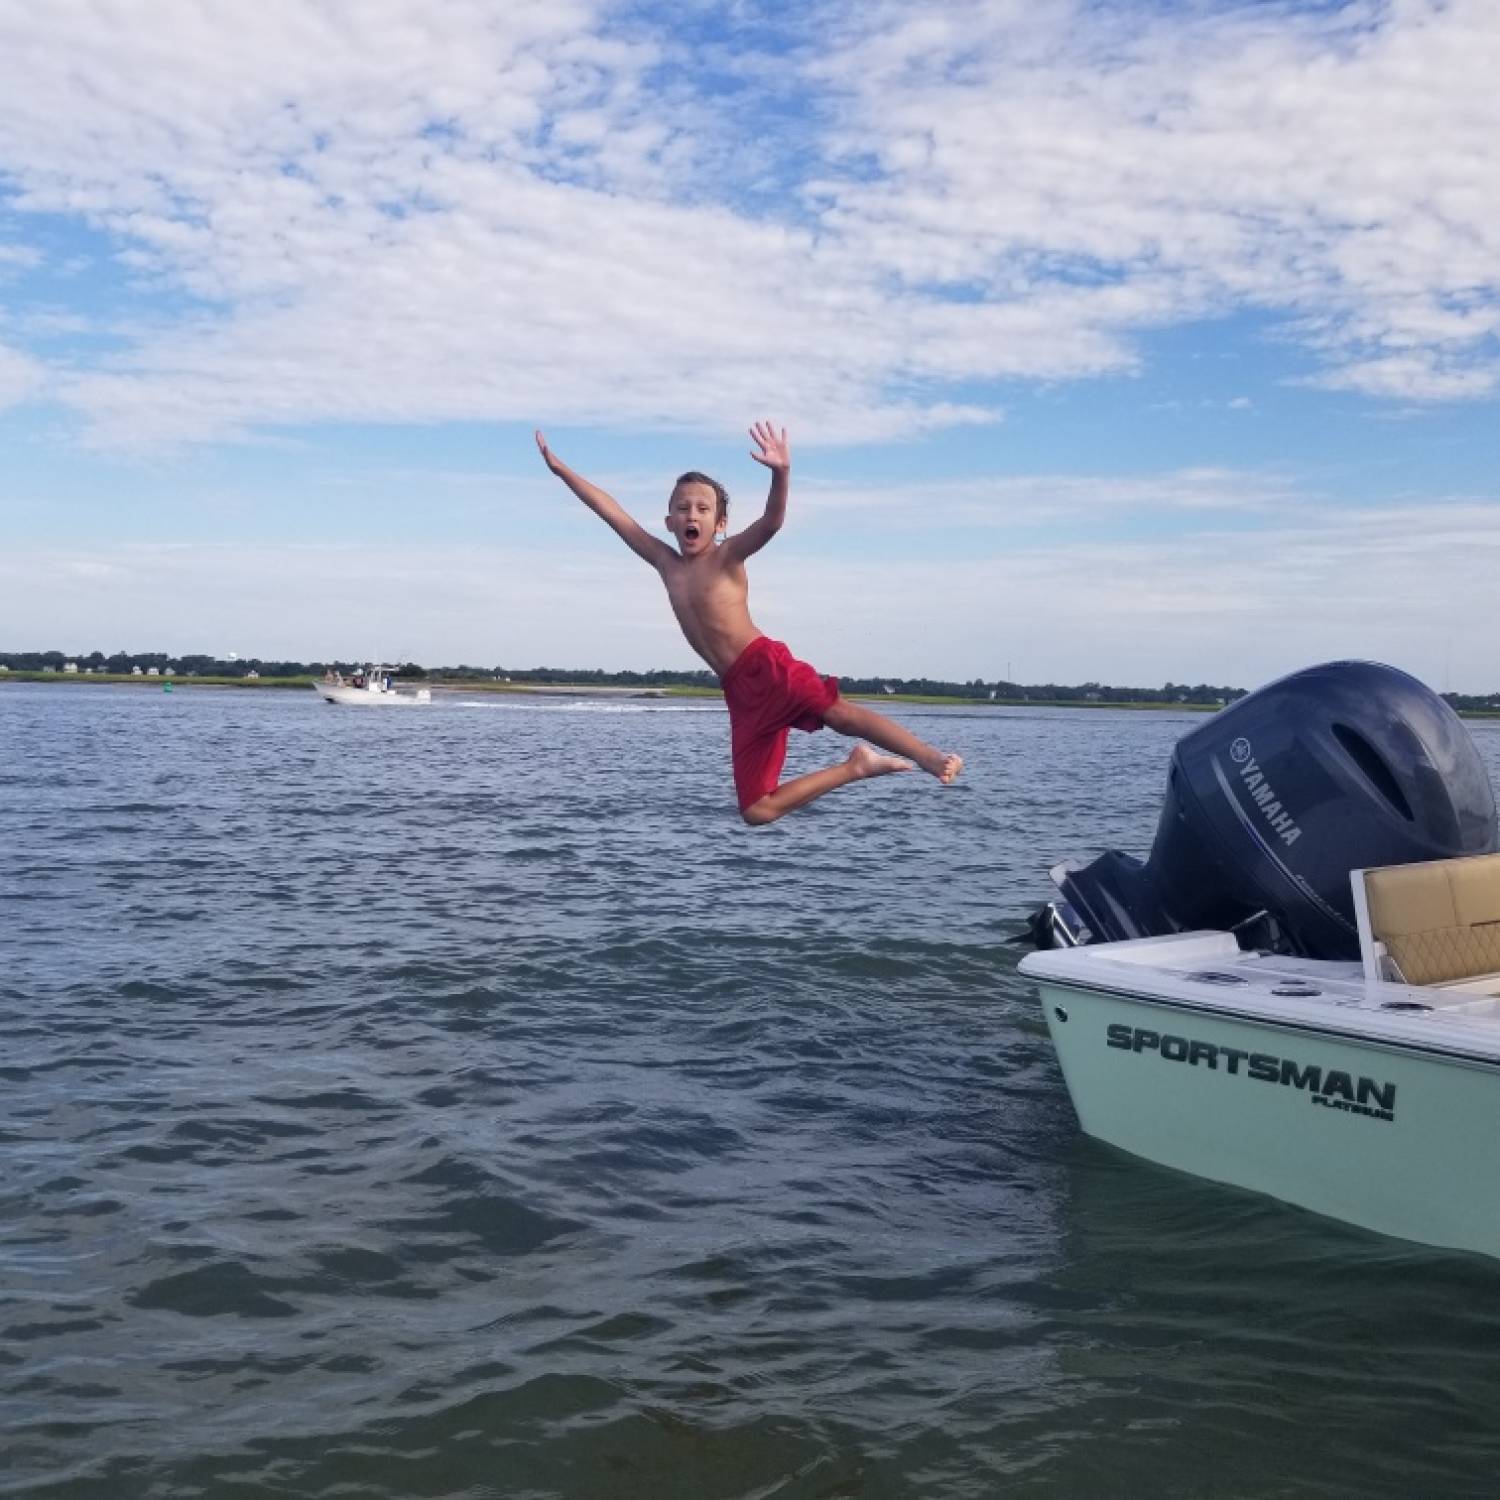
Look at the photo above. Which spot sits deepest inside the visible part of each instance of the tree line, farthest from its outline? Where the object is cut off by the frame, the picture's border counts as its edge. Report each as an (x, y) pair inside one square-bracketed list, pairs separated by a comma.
[(124, 663)]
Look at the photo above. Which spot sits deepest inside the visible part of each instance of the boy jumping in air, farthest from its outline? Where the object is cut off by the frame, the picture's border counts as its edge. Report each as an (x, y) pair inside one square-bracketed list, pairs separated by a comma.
[(767, 690)]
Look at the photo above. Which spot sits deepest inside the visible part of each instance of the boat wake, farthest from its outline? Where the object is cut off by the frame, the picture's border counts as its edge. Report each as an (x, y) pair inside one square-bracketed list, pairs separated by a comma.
[(603, 708)]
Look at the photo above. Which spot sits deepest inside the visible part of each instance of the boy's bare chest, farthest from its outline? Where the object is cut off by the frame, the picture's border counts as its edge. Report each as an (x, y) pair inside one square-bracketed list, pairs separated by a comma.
[(706, 588)]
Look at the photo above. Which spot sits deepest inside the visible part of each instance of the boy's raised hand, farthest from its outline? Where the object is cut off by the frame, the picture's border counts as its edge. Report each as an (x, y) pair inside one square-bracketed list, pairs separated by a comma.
[(775, 451), (548, 458)]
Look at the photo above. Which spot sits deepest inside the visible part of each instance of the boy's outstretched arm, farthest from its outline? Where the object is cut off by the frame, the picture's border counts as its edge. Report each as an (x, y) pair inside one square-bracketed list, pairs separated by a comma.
[(608, 509), (776, 454)]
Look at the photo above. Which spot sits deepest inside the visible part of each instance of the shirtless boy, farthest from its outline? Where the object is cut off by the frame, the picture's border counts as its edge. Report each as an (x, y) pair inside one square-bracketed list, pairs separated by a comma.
[(768, 691)]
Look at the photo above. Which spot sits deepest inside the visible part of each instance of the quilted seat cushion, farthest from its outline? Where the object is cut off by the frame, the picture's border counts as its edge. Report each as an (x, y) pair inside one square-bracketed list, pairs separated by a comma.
[(1439, 921)]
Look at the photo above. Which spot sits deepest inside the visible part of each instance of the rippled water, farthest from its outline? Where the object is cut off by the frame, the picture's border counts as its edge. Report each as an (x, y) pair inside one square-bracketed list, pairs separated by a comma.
[(462, 1102)]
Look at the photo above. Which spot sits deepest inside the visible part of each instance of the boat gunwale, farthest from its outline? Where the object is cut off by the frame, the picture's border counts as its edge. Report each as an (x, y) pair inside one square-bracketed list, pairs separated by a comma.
[(1398, 1042)]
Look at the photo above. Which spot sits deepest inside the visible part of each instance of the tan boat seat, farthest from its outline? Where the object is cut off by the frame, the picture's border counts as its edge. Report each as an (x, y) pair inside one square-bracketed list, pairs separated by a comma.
[(1438, 922)]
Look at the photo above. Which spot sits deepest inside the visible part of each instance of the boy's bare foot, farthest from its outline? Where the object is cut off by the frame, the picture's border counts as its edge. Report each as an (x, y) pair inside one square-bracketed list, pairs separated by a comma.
[(864, 761), (942, 765)]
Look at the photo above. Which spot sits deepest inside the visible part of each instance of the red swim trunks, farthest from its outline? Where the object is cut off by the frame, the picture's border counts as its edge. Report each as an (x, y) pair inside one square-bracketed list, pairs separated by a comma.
[(768, 692)]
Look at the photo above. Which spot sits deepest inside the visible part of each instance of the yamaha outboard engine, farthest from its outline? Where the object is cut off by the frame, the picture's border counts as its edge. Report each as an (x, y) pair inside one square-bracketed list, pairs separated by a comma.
[(1271, 803)]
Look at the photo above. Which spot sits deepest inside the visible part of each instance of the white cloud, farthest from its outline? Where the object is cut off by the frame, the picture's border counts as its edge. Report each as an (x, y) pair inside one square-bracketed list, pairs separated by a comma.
[(20, 377), (391, 212), (1335, 163), (1207, 604), (1017, 502), (478, 605), (1231, 607), (396, 214)]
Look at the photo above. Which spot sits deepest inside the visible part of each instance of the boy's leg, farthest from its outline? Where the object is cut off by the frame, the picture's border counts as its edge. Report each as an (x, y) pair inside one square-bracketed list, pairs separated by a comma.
[(800, 790), (865, 724)]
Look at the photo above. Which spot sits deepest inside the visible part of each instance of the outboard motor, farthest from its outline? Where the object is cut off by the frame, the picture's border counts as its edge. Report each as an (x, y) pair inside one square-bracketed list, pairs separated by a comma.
[(1272, 801)]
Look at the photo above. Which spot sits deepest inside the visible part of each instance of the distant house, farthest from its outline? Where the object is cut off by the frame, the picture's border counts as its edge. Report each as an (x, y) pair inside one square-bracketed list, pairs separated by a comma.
[(153, 671), (167, 671), (252, 673), (135, 671), (3, 667), (70, 666)]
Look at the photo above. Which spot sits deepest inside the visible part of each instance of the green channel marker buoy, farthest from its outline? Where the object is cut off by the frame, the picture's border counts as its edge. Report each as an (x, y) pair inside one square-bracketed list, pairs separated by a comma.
[(166, 687)]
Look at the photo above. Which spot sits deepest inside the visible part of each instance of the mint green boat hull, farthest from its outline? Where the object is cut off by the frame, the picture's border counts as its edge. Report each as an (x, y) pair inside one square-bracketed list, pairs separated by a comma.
[(1388, 1135)]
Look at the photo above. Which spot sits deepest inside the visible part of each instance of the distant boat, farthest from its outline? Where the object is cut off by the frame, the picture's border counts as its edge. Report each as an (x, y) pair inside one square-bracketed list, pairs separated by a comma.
[(371, 686)]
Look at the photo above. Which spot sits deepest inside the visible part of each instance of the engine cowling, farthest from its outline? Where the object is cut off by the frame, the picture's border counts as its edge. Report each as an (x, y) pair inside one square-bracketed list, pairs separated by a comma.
[(1272, 801)]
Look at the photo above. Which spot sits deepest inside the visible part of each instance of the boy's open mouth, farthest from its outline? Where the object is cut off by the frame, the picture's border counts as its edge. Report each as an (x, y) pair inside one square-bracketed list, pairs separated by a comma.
[(690, 531)]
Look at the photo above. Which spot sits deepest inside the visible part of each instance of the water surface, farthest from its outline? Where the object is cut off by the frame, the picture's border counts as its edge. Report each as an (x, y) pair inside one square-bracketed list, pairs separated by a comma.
[(462, 1102)]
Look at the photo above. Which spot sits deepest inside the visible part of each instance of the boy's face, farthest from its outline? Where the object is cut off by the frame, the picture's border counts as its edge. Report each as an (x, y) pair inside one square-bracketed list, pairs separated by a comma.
[(692, 517)]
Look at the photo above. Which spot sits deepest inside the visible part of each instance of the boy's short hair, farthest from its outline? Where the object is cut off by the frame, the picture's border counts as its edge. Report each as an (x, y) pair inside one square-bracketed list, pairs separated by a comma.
[(721, 512)]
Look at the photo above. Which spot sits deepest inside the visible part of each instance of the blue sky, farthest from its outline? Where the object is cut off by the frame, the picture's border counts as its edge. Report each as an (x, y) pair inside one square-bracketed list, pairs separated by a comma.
[(1117, 341)]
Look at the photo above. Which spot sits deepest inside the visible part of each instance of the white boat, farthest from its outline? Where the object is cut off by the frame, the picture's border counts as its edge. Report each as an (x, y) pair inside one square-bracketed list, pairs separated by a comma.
[(1241, 1009), (373, 686)]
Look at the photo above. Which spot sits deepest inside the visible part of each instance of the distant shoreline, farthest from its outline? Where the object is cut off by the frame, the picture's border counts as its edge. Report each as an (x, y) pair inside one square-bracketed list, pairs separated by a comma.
[(594, 690), (554, 689)]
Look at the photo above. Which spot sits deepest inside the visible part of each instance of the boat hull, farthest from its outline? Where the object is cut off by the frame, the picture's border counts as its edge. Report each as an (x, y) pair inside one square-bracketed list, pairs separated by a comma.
[(365, 698), (1385, 1137)]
